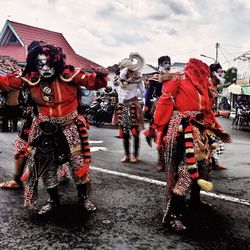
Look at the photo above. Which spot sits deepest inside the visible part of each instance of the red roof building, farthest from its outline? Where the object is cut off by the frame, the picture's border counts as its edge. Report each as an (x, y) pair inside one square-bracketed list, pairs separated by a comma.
[(15, 38)]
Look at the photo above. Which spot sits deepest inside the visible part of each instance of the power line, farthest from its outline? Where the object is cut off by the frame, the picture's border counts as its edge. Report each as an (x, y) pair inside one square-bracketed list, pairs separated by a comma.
[(228, 52), (225, 57), (235, 46), (198, 49)]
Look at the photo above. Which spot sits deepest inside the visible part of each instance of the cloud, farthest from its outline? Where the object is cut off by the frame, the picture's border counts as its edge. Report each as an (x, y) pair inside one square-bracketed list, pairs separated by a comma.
[(107, 31)]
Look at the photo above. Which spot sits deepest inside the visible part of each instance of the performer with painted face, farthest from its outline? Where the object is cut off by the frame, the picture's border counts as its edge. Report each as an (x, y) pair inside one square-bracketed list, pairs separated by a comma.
[(185, 127), (58, 134), (216, 76), (129, 115), (154, 89)]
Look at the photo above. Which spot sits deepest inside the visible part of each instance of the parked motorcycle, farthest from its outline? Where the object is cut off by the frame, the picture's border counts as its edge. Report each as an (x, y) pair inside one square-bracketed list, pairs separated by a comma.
[(102, 109), (242, 116)]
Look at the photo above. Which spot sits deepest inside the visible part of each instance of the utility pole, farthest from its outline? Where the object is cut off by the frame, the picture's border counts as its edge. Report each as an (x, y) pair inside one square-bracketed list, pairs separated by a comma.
[(217, 52)]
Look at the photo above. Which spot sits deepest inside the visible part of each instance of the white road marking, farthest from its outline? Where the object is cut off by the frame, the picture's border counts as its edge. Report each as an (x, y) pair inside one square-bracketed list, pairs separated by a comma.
[(94, 149), (95, 141), (162, 183)]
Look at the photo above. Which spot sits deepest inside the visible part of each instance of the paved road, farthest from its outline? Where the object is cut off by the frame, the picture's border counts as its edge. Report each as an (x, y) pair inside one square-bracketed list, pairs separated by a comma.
[(129, 210)]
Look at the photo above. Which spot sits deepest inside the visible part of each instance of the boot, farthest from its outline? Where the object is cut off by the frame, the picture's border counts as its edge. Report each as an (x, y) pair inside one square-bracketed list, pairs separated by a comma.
[(53, 202), (173, 218), (84, 198), (195, 199)]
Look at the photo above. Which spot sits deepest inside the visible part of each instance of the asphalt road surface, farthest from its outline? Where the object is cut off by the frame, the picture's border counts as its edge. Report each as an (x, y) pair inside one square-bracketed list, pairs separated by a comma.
[(130, 199)]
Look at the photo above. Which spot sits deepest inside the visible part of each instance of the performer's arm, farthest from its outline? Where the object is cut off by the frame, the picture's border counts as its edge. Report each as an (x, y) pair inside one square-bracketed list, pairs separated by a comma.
[(9, 81), (123, 73), (95, 80)]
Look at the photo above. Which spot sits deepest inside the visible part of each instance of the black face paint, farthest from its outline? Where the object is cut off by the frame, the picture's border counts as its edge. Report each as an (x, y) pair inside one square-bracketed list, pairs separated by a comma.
[(43, 66)]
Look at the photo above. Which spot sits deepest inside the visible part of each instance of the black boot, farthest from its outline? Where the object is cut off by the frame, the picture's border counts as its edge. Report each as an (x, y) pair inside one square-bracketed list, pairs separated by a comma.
[(173, 218), (53, 202), (84, 198), (195, 199)]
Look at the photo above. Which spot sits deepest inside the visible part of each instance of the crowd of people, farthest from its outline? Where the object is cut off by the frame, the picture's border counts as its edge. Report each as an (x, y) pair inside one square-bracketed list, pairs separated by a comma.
[(179, 107)]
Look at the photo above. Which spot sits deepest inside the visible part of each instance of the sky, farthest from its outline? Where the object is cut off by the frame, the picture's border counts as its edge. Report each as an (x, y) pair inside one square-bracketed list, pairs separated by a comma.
[(106, 31)]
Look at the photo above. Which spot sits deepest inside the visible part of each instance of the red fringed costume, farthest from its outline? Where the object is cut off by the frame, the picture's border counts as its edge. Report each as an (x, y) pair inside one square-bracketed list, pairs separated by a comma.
[(56, 100), (184, 123)]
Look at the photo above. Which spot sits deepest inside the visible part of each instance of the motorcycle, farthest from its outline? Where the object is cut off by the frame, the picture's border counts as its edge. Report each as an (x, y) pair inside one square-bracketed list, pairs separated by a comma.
[(102, 109), (242, 117)]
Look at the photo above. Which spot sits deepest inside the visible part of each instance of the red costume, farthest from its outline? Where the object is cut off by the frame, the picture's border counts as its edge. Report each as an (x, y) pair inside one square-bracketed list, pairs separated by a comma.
[(62, 104), (53, 86), (187, 92), (185, 126)]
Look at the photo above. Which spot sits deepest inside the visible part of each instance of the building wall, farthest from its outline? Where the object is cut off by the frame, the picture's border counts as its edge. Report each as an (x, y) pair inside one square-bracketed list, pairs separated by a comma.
[(243, 75)]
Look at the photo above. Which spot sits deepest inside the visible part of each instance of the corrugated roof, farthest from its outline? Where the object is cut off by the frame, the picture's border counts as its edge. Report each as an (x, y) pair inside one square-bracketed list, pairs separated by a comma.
[(28, 33), (15, 51)]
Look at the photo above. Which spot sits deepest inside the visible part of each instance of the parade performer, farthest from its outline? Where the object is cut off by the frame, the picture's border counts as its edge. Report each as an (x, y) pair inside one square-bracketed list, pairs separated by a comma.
[(58, 134), (129, 116), (185, 125), (216, 75), (154, 89), (154, 86), (29, 111)]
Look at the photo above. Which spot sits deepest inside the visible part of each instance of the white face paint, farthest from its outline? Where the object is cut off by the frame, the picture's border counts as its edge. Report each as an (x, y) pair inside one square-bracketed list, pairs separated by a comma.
[(164, 68), (43, 66)]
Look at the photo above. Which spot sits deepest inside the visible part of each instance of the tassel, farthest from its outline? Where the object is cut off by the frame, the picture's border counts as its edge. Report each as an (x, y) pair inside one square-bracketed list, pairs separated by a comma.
[(214, 145), (83, 170), (189, 152), (205, 185), (84, 140)]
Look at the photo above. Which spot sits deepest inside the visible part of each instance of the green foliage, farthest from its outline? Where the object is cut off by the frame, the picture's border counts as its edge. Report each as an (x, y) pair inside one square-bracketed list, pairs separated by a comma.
[(230, 75)]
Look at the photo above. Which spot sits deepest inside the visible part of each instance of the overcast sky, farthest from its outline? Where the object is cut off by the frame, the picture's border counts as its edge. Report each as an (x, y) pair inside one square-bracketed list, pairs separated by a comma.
[(106, 31)]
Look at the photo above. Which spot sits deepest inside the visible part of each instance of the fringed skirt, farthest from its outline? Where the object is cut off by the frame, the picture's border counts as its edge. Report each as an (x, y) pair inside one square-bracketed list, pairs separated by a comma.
[(75, 130)]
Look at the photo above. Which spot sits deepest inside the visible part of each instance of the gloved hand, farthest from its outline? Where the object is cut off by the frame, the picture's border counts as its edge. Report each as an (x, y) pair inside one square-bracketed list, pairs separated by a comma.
[(101, 71)]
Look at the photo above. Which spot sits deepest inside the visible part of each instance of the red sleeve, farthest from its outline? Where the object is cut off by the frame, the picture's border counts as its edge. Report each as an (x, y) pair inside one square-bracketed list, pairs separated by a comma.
[(9, 81), (165, 105), (91, 81)]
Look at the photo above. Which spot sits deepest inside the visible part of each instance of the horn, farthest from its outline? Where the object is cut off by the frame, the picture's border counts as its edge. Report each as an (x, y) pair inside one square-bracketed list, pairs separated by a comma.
[(133, 63), (137, 61), (125, 63), (71, 78), (29, 82)]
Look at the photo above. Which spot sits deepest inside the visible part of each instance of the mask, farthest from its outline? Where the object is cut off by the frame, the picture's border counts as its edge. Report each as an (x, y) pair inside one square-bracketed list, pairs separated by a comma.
[(43, 66), (164, 68)]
